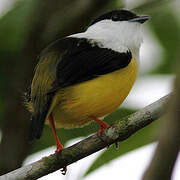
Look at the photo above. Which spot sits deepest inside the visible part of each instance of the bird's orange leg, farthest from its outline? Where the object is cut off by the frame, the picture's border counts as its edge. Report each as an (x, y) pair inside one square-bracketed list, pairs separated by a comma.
[(101, 123), (59, 146), (103, 126)]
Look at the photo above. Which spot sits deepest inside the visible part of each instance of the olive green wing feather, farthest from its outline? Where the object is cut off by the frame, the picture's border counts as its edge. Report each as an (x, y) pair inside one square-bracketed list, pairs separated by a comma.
[(40, 98)]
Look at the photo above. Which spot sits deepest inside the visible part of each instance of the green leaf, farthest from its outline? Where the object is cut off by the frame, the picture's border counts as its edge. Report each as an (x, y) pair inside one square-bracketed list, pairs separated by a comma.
[(65, 135), (14, 25), (139, 139), (165, 24)]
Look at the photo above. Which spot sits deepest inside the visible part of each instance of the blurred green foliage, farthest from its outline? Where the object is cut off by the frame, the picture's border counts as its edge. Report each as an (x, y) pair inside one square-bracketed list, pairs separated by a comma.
[(166, 27), (14, 25), (164, 24)]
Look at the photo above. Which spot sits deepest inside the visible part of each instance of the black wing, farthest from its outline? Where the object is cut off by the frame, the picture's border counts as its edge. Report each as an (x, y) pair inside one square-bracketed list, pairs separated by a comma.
[(85, 60)]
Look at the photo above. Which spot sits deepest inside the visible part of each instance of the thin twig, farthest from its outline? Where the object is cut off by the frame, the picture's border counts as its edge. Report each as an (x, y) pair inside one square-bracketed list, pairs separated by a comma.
[(119, 131)]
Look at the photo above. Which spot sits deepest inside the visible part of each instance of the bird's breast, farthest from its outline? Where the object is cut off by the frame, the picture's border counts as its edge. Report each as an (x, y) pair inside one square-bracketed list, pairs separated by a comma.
[(96, 97)]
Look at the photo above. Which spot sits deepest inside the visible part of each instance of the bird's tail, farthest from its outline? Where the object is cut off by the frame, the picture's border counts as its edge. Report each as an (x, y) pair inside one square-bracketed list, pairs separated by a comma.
[(39, 116), (37, 125)]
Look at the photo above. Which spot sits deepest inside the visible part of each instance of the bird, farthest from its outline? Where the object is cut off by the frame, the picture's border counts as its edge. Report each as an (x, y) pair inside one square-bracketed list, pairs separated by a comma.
[(85, 76)]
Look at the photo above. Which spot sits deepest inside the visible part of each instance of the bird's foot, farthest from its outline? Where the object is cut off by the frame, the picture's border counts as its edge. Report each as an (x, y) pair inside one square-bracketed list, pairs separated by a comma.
[(103, 126), (59, 147), (64, 170)]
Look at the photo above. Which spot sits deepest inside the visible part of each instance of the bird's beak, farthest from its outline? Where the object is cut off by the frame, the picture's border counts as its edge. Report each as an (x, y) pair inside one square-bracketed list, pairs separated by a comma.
[(140, 19)]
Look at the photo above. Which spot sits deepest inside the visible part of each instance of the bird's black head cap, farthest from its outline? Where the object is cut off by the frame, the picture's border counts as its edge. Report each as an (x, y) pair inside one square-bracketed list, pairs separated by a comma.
[(118, 15)]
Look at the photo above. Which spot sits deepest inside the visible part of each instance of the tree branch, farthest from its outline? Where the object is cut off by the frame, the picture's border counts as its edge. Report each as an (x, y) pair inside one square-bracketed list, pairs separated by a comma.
[(119, 131)]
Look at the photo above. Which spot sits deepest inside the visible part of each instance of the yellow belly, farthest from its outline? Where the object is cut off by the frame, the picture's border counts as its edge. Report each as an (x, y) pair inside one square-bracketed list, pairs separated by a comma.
[(98, 97)]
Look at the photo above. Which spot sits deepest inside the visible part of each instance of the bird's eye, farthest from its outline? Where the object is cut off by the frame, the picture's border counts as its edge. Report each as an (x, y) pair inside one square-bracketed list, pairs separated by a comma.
[(115, 17)]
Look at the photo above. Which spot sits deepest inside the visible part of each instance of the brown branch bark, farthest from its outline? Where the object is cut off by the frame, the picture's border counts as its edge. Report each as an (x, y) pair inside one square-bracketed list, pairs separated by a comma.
[(119, 131)]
